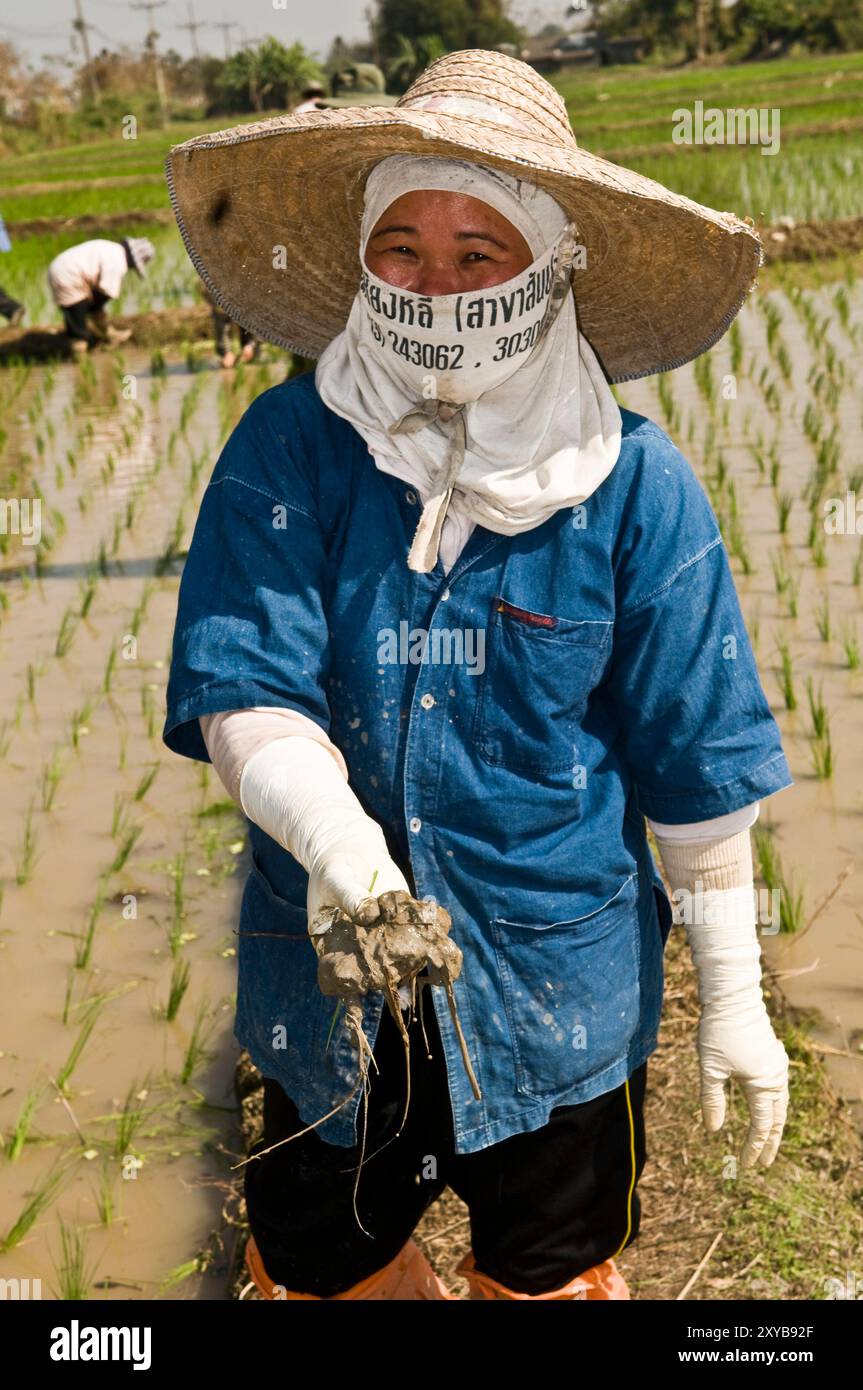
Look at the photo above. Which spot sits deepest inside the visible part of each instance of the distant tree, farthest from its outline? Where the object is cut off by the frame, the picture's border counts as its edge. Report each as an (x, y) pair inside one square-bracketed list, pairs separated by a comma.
[(411, 59), (13, 80), (819, 24), (689, 23), (454, 23), (749, 26), (266, 75)]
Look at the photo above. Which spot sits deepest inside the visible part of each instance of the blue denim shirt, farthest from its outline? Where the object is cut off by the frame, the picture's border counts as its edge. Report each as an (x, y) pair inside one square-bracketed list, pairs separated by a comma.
[(606, 674)]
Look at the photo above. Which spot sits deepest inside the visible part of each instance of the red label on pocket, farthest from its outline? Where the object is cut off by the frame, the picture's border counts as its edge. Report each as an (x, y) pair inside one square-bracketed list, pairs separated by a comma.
[(523, 614)]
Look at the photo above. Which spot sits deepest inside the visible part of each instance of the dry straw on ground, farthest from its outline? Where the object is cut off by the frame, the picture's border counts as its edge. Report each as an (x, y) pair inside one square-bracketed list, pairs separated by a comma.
[(707, 1231)]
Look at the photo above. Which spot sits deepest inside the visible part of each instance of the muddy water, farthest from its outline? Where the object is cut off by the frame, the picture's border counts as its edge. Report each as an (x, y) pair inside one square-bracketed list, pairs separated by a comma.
[(818, 823), (167, 1181)]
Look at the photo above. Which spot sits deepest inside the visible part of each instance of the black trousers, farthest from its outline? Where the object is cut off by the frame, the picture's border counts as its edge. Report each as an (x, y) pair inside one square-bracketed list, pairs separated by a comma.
[(544, 1206), (75, 318), (222, 326)]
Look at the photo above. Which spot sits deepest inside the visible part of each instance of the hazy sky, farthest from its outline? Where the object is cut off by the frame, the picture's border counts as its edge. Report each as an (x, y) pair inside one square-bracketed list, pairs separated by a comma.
[(44, 26)]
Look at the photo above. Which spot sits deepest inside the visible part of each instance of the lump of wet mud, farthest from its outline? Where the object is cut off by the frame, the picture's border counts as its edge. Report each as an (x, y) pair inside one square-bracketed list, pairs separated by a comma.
[(384, 948), (391, 940)]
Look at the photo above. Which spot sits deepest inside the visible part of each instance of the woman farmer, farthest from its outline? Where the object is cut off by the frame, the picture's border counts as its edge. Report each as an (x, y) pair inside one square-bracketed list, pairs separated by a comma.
[(452, 628), (83, 278)]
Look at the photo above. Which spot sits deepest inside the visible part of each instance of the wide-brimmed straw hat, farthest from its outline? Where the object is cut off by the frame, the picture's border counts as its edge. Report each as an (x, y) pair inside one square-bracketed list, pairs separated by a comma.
[(270, 214)]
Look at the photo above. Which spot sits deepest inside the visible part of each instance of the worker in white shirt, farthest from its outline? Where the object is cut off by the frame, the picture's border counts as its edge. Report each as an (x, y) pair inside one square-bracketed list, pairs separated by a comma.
[(312, 93), (83, 278)]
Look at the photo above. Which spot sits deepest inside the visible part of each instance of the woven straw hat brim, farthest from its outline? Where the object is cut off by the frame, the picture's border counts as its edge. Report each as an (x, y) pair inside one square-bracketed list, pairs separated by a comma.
[(270, 215)]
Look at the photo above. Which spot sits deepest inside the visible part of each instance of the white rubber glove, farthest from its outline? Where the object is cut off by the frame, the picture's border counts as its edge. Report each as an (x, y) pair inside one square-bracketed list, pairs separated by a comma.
[(294, 791), (735, 1036)]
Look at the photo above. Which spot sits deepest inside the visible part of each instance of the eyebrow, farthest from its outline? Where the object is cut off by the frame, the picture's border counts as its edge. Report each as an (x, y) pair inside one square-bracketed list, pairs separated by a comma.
[(459, 236)]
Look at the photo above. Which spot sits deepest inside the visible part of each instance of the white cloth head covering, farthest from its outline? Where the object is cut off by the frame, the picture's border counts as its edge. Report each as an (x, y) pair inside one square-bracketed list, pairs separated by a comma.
[(537, 434)]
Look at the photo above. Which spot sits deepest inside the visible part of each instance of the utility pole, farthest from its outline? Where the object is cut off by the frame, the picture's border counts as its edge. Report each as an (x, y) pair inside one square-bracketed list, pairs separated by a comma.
[(226, 30), (701, 29), (150, 43), (80, 27), (193, 26)]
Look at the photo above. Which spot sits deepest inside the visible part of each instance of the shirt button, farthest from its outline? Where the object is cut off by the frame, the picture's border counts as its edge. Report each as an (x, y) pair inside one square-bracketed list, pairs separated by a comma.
[(427, 701), (411, 497), (445, 594), (415, 824)]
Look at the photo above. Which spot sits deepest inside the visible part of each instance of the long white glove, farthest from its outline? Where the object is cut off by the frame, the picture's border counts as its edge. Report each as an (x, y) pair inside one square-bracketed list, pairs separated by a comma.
[(294, 791), (735, 1036)]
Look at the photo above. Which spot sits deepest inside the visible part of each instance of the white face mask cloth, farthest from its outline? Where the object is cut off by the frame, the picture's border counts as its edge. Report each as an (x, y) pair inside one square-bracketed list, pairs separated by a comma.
[(492, 397), (457, 347)]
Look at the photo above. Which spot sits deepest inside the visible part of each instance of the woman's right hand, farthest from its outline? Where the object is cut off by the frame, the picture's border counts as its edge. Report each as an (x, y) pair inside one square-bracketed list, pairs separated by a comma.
[(351, 874)]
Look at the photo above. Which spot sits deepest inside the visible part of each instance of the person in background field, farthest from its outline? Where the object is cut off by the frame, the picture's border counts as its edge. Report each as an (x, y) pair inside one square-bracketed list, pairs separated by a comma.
[(311, 94), (222, 325), (83, 278), (9, 307)]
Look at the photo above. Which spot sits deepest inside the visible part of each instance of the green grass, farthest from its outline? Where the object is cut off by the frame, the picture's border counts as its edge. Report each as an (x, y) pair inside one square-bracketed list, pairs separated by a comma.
[(772, 871), (27, 853), (786, 674), (84, 942), (38, 1200), (822, 757), (23, 207), (69, 1066), (21, 1130), (129, 1120), (196, 1050), (74, 1277), (851, 646), (178, 987), (623, 113), (817, 709), (52, 774), (145, 783)]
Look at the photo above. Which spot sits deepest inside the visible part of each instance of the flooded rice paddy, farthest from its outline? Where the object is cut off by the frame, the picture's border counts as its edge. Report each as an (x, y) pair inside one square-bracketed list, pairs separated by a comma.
[(122, 865)]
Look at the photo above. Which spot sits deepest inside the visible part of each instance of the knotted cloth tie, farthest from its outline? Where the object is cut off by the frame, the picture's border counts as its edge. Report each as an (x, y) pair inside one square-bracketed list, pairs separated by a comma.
[(423, 553)]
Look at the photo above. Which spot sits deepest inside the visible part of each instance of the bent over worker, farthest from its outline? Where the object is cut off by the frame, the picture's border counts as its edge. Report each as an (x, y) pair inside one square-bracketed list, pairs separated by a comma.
[(82, 280)]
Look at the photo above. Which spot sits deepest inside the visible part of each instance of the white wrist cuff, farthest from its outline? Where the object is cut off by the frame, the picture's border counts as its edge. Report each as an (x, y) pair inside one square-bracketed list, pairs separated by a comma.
[(716, 829)]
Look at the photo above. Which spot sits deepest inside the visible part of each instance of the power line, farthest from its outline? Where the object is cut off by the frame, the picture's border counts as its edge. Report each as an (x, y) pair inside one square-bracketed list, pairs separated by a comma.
[(226, 28), (193, 25), (79, 25), (32, 33), (152, 35), (108, 38)]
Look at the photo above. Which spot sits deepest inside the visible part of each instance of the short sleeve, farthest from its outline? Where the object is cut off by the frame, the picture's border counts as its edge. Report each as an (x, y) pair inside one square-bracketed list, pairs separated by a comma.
[(112, 269), (697, 731), (250, 626)]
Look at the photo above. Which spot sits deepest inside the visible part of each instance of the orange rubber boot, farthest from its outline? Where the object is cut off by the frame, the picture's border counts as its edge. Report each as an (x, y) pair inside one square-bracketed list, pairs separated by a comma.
[(407, 1277), (602, 1281)]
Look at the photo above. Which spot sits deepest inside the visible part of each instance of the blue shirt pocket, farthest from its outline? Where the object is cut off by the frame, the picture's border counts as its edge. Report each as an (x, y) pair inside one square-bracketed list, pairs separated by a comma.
[(279, 1005), (540, 670), (571, 992)]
